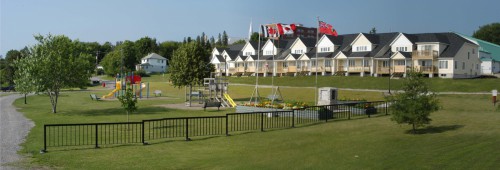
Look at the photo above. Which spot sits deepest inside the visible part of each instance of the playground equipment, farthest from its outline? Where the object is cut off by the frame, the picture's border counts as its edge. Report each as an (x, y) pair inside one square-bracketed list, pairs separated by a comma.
[(213, 90), (134, 82)]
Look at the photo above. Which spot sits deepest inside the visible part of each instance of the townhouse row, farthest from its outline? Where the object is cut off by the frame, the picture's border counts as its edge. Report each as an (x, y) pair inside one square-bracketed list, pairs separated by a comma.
[(446, 55)]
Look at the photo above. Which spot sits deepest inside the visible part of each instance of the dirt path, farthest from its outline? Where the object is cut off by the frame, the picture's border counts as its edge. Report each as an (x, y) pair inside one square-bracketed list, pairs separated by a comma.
[(14, 128)]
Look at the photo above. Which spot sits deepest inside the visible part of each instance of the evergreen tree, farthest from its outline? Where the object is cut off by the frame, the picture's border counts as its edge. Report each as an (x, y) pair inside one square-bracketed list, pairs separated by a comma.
[(225, 39), (373, 31)]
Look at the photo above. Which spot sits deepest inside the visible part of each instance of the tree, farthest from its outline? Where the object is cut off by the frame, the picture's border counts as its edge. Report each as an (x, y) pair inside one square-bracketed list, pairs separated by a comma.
[(225, 39), (189, 65), (212, 41), (112, 63), (489, 32), (167, 48), (218, 43), (128, 102), (242, 41), (254, 37), (373, 31), (52, 64), (9, 67), (415, 103), (144, 46)]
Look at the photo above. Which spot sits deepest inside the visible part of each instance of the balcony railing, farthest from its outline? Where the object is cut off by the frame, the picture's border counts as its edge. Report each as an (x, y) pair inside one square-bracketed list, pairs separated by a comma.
[(290, 69), (424, 54), (358, 69), (426, 69)]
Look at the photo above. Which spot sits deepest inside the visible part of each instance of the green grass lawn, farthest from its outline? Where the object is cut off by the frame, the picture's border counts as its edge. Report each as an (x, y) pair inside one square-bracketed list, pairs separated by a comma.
[(463, 135), (355, 82)]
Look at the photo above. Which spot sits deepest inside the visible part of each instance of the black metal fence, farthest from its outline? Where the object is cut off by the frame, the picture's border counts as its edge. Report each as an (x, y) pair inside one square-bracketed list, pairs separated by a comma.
[(95, 134)]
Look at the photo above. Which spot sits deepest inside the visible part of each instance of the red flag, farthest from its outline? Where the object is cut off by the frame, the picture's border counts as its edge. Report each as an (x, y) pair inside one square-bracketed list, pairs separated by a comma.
[(325, 28)]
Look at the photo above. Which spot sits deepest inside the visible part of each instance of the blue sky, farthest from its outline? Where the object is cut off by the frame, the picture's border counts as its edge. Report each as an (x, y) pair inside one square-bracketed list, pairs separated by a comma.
[(118, 20)]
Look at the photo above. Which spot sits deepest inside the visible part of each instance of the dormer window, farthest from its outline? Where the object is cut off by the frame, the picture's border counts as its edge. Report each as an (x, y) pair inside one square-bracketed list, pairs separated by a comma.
[(425, 47), (324, 49), (269, 52), (299, 52), (362, 48), (248, 53), (401, 49)]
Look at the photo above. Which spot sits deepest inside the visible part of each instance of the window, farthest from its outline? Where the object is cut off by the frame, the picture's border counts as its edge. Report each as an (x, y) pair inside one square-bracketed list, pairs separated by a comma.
[(473, 51), (299, 51), (401, 48), (268, 52), (426, 47), (385, 63), (468, 55), (443, 64), (248, 53), (463, 65), (400, 62), (362, 48), (456, 65), (313, 63), (324, 49), (299, 64), (352, 63), (285, 64), (477, 66), (328, 63), (366, 63)]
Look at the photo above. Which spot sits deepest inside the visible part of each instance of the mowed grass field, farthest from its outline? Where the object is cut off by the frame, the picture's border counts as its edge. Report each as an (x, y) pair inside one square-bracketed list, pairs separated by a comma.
[(464, 134)]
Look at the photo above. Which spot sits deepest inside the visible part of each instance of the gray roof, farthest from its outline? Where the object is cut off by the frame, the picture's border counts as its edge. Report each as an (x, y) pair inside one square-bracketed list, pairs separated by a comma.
[(220, 58), (359, 54), (232, 54), (454, 41), (154, 56)]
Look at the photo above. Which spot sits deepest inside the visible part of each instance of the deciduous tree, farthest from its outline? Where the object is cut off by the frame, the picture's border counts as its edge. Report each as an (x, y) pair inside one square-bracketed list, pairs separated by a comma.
[(190, 64), (489, 32), (52, 64), (415, 103)]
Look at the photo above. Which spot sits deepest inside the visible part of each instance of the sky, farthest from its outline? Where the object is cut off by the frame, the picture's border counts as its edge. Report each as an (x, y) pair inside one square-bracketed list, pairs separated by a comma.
[(168, 20)]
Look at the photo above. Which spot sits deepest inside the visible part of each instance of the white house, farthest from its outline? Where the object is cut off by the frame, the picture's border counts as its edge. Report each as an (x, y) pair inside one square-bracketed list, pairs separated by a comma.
[(153, 63)]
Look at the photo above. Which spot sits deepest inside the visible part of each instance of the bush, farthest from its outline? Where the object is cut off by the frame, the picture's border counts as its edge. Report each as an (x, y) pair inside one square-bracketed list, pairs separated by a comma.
[(141, 73)]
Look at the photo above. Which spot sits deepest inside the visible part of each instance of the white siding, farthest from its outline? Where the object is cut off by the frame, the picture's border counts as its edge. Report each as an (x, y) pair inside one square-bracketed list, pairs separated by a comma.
[(362, 41)]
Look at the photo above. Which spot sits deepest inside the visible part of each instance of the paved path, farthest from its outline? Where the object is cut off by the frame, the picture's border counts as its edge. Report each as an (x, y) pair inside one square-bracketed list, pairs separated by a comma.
[(349, 89), (14, 127)]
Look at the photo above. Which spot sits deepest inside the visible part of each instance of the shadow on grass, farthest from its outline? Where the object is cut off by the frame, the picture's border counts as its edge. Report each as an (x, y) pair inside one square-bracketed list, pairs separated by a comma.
[(118, 111), (434, 129)]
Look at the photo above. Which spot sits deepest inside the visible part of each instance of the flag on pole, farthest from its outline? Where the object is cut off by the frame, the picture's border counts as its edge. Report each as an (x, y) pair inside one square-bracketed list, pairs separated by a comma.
[(325, 28), (286, 28), (270, 30)]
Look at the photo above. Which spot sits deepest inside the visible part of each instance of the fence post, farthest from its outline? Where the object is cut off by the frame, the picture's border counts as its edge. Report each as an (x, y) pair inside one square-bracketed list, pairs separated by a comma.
[(293, 118), (326, 112), (262, 122), (96, 136), (142, 131), (227, 125), (44, 138), (349, 112), (187, 129)]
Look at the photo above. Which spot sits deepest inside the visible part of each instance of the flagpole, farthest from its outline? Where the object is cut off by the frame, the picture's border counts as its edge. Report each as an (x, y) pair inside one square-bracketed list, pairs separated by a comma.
[(272, 74), (316, 81), (256, 90)]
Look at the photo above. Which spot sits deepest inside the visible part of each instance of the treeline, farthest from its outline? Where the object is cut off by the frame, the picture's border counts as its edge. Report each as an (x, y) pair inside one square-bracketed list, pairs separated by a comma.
[(113, 56)]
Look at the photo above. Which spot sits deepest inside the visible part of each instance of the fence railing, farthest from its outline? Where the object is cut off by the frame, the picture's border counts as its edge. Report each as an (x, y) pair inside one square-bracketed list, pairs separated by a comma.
[(96, 134)]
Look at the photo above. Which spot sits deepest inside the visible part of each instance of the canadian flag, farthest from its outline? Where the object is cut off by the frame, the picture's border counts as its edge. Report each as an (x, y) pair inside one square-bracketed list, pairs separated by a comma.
[(270, 31), (286, 28)]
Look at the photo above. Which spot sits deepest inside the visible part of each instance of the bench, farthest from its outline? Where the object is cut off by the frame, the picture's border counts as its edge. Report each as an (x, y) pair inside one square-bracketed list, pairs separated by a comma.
[(94, 97), (211, 104), (157, 93)]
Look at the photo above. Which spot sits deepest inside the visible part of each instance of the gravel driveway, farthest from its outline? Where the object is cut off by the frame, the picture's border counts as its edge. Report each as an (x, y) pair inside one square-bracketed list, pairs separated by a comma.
[(14, 127)]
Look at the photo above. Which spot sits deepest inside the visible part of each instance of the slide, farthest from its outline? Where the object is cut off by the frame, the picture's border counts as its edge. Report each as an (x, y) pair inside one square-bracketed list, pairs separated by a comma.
[(110, 94), (229, 99), (138, 92)]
